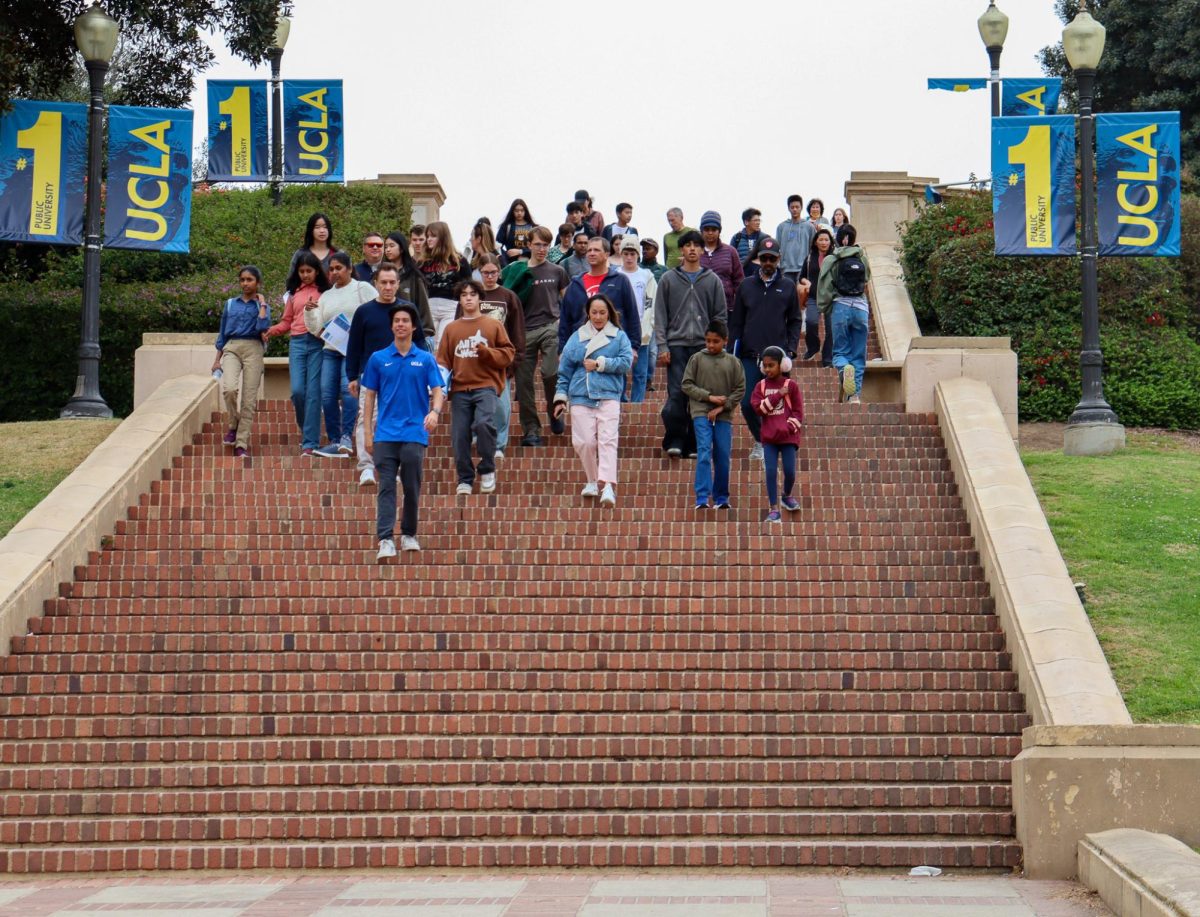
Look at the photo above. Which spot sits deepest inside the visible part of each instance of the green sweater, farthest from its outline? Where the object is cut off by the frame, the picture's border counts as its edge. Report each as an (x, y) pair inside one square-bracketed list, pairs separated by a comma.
[(826, 293), (714, 374)]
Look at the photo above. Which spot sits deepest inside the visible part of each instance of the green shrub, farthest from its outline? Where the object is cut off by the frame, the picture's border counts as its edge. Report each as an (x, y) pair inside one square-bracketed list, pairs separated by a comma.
[(1148, 313), (153, 292)]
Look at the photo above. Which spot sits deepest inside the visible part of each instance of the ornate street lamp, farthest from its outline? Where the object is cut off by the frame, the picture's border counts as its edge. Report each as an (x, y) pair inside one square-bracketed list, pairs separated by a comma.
[(993, 29), (282, 29), (1092, 428), (96, 37)]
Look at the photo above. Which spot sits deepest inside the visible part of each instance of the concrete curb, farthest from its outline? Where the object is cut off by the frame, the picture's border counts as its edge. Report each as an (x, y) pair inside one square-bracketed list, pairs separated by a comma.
[(1140, 874), (43, 549)]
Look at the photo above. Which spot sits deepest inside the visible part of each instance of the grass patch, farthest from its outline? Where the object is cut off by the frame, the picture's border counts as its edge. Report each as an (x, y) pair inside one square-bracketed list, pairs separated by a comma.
[(1128, 525), (35, 457)]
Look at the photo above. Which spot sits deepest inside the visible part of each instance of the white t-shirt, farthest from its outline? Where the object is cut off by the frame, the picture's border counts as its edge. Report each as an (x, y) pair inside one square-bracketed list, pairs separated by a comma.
[(644, 289)]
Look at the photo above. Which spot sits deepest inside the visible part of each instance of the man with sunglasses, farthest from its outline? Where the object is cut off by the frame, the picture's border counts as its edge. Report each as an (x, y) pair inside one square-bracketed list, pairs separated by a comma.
[(372, 258), (766, 313)]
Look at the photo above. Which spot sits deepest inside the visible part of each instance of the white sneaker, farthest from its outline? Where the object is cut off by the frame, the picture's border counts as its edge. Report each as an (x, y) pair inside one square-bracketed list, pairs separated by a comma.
[(387, 548), (499, 454), (367, 478), (487, 483), (608, 497), (590, 489), (408, 543), (756, 453), (463, 490)]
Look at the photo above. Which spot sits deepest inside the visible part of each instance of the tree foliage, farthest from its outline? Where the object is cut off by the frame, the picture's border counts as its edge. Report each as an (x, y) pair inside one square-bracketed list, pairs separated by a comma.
[(161, 50), (1151, 62)]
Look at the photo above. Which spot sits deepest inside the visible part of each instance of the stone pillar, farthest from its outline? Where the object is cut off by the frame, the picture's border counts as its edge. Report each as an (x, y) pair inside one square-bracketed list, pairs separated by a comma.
[(880, 200), (424, 189)]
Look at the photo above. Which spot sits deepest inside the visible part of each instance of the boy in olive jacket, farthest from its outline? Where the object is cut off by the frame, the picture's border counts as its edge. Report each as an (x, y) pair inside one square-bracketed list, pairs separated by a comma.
[(714, 382)]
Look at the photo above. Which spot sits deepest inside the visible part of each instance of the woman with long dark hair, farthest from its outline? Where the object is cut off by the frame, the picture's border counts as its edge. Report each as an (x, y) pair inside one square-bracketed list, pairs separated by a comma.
[(412, 285), (305, 284), (822, 245), (443, 269), (318, 239), (515, 230)]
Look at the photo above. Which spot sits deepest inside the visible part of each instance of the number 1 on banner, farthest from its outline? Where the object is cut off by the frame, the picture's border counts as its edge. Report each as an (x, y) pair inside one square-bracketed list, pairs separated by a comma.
[(1034, 154), (237, 107), (44, 139)]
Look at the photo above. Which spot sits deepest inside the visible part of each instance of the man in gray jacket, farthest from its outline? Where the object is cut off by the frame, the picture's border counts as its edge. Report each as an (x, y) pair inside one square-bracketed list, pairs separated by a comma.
[(689, 297)]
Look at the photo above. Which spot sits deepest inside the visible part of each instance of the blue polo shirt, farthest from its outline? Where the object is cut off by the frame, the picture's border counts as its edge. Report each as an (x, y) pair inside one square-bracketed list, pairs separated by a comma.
[(401, 383)]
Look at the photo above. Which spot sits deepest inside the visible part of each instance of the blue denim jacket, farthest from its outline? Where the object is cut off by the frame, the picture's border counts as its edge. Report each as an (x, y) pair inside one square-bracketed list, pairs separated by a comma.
[(240, 319), (610, 348)]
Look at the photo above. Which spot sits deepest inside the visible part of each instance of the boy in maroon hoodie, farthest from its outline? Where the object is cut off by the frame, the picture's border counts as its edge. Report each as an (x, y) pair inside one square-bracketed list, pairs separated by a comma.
[(777, 398)]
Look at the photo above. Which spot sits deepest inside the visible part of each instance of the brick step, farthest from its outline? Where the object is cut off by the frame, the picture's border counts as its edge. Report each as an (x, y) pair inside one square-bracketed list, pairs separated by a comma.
[(402, 664), (508, 641), (43, 701), (569, 729), (284, 617), (382, 579), (157, 799), (979, 853), (499, 825), (205, 765)]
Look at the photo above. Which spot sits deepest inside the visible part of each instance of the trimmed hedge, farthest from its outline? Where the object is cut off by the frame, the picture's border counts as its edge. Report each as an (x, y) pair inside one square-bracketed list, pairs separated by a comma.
[(1148, 314), (148, 291)]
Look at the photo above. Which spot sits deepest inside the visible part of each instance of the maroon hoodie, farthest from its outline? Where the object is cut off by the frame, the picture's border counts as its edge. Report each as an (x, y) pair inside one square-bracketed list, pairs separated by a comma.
[(782, 408)]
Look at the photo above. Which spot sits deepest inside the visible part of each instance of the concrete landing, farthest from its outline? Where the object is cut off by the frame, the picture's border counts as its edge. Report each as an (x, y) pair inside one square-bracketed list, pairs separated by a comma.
[(864, 894)]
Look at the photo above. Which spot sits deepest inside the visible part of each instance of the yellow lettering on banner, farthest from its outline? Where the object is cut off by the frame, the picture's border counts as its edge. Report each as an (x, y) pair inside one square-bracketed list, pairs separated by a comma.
[(322, 169), (44, 139), (322, 142), (1034, 154), (151, 216), (1034, 98), (134, 196), (1151, 199), (316, 99), (1151, 231), (237, 107)]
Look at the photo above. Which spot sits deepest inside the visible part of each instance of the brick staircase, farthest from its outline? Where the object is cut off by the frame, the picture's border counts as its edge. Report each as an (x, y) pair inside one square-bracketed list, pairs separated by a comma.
[(233, 683)]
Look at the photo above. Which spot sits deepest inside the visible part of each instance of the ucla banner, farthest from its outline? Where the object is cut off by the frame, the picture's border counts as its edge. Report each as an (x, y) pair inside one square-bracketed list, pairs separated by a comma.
[(1030, 97), (237, 130), (1033, 185), (312, 130), (149, 201), (1137, 175), (964, 84), (43, 172)]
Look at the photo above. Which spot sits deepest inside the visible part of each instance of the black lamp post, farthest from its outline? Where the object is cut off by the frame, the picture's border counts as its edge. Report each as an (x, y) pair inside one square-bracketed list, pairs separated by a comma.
[(993, 29), (1092, 428), (282, 28), (96, 37)]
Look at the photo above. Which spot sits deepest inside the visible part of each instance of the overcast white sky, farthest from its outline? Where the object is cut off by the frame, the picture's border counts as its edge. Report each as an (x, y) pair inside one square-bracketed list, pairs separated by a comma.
[(701, 104)]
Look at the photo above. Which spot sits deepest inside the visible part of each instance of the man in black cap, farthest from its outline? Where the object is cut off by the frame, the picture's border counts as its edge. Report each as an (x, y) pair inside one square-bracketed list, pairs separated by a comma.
[(650, 258), (404, 383), (593, 218)]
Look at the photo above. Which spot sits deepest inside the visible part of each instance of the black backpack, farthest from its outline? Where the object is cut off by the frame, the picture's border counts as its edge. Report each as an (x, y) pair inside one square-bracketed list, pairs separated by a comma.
[(850, 276)]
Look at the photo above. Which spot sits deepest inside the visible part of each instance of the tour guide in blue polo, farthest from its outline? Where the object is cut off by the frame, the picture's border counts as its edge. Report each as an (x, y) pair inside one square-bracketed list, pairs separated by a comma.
[(400, 380)]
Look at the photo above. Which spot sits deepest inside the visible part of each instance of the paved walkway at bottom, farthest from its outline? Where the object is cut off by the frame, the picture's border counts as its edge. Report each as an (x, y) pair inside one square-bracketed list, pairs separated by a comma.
[(550, 895)]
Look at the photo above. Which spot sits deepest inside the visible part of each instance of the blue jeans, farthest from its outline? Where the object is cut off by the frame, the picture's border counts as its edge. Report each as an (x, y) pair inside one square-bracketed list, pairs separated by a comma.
[(713, 442), (503, 415), (304, 372), (341, 408), (753, 377), (771, 453), (643, 370), (850, 340)]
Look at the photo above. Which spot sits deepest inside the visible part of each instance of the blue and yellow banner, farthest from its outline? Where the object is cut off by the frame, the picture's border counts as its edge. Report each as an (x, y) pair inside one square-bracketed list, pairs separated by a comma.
[(43, 172), (1137, 177), (1033, 185), (237, 130), (1030, 97), (962, 84), (312, 131), (149, 204)]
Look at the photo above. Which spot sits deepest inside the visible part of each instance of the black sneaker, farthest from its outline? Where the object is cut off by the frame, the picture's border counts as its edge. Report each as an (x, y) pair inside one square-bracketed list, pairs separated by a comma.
[(558, 426), (532, 440)]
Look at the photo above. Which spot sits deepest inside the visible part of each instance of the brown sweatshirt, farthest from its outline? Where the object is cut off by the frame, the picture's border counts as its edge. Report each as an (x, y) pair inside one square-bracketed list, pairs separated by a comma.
[(470, 369)]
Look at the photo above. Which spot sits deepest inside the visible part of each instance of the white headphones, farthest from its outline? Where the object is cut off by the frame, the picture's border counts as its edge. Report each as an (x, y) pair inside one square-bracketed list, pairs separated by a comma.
[(778, 355)]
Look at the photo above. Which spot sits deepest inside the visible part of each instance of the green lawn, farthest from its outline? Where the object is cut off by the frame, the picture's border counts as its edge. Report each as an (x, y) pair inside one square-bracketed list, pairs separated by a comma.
[(34, 457), (1128, 525)]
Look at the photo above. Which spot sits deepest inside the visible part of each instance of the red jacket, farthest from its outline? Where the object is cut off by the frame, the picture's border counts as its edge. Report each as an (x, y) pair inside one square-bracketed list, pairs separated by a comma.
[(782, 408)]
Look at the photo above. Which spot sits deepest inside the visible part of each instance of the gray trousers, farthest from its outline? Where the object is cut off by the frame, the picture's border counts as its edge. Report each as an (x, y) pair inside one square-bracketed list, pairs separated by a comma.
[(473, 413), (409, 459)]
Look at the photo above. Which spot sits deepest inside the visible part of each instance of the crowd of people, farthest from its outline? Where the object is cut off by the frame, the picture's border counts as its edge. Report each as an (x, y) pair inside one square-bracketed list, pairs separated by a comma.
[(378, 347)]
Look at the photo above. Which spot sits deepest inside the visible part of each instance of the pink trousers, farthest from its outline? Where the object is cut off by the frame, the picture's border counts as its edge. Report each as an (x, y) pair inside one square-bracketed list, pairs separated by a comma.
[(594, 436)]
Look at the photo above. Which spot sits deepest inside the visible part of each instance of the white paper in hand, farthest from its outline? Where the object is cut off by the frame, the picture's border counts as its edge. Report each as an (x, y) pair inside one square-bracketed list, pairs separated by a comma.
[(337, 333)]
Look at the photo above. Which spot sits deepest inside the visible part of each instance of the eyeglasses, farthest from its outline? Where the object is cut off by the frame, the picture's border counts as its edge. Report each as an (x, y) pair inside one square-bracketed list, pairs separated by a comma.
[(372, 245), (768, 257), (489, 273)]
